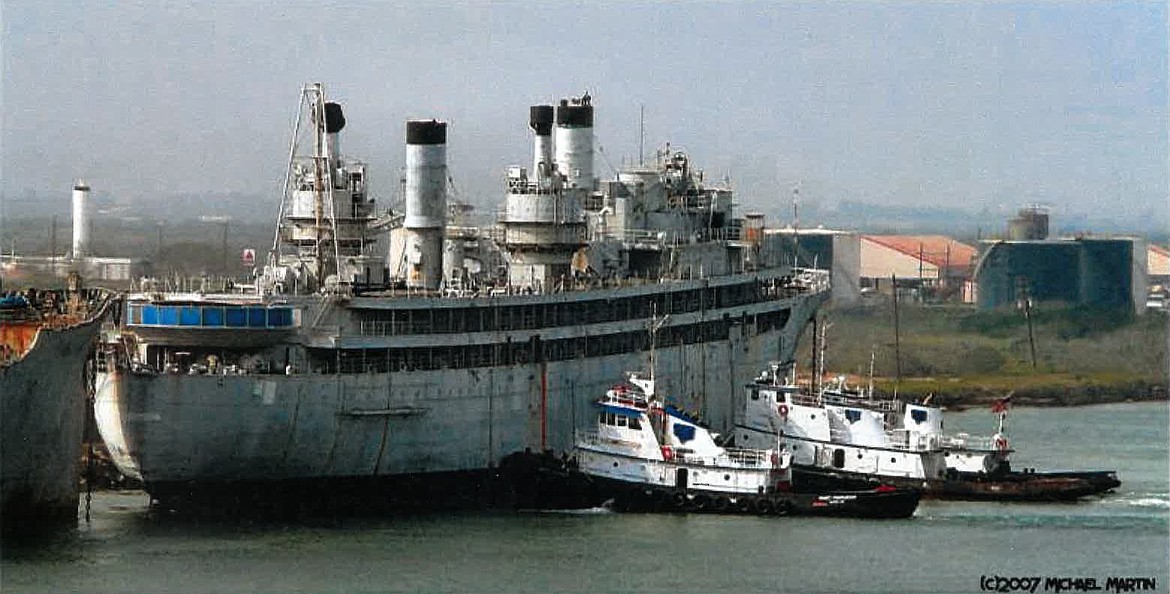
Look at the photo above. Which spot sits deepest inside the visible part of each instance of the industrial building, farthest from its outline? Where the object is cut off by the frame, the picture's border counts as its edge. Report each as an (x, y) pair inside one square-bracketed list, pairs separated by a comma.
[(80, 259), (1096, 272), (1157, 265), (838, 251), (1100, 272), (934, 264)]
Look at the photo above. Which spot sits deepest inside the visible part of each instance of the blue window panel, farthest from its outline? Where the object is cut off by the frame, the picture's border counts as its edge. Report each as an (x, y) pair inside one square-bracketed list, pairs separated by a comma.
[(684, 433), (280, 316), (257, 317), (168, 315), (189, 316), (236, 317), (149, 315), (213, 316)]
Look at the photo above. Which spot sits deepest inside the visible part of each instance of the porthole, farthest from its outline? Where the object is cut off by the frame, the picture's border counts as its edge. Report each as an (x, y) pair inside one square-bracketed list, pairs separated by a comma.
[(727, 477), (615, 464), (893, 460)]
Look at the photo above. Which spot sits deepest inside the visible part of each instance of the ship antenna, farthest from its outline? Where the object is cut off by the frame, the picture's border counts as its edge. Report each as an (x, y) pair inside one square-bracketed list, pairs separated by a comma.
[(641, 134), (795, 232), (871, 357), (820, 371), (655, 323)]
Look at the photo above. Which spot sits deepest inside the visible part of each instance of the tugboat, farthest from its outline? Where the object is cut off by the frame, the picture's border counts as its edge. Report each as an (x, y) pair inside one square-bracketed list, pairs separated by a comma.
[(979, 468), (837, 445), (647, 456), (847, 439)]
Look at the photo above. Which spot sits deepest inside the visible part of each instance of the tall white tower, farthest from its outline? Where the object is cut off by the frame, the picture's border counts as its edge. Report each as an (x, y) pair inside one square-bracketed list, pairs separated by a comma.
[(80, 220)]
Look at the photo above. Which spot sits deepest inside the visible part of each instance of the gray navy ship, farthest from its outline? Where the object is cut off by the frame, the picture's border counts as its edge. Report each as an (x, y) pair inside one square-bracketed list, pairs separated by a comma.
[(409, 355), (46, 338)]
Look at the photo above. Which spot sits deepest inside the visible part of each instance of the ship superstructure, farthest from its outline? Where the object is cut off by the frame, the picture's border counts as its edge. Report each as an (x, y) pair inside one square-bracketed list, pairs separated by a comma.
[(390, 345)]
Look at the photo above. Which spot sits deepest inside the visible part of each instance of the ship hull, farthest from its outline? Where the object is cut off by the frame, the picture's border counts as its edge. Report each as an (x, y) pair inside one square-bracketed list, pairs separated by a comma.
[(1009, 486), (43, 400), (172, 430)]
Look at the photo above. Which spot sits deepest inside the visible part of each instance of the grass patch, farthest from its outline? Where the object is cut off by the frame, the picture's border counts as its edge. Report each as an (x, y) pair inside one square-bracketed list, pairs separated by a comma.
[(956, 343)]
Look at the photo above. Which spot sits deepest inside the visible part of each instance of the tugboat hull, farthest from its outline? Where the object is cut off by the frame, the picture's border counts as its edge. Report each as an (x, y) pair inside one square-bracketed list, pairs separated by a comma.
[(1006, 486), (880, 503)]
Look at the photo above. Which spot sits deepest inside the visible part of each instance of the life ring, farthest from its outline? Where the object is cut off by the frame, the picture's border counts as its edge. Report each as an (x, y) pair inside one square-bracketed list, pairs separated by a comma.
[(667, 453), (783, 410), (1001, 443)]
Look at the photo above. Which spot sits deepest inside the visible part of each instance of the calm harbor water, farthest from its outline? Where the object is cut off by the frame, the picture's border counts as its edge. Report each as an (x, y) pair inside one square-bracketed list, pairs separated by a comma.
[(946, 547)]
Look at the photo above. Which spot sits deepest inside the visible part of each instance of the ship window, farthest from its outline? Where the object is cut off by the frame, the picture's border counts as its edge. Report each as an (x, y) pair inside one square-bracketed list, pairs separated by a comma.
[(236, 316), (918, 415), (635, 424), (213, 316), (168, 315), (621, 421), (257, 317), (189, 316), (852, 416)]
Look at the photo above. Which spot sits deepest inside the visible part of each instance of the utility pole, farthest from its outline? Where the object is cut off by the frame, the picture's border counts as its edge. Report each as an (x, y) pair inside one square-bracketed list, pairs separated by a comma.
[(226, 221), (897, 336), (53, 244), (1025, 303)]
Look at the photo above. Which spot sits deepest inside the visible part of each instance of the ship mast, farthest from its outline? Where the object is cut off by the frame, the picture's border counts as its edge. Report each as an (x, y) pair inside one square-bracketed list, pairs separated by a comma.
[(307, 224)]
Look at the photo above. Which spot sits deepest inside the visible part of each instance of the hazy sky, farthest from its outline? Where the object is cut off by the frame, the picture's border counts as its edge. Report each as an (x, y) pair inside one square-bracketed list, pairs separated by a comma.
[(972, 105)]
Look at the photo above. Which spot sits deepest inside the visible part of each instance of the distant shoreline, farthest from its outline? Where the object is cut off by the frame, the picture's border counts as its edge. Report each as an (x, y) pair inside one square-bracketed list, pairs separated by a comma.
[(1058, 393)]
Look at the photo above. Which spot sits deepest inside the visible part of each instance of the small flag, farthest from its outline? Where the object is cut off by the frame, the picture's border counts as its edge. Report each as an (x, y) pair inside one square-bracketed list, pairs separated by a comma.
[(1001, 404)]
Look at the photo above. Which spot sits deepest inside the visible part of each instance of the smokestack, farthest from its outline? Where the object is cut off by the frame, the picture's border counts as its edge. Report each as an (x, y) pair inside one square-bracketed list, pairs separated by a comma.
[(80, 220), (540, 119), (426, 201), (574, 141)]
